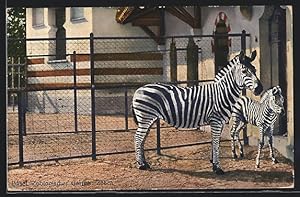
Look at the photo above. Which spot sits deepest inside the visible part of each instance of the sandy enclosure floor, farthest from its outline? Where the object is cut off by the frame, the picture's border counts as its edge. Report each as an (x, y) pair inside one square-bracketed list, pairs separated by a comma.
[(177, 168), (180, 168)]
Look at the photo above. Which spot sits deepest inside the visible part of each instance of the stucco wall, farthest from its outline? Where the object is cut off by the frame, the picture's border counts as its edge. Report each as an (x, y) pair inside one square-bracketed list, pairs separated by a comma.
[(104, 24)]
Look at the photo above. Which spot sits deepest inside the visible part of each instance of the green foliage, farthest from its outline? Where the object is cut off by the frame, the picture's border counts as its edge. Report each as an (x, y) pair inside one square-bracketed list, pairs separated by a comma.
[(16, 32)]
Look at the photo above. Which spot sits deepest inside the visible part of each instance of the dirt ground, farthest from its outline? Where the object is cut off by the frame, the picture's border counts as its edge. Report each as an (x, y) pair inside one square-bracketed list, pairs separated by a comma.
[(178, 168)]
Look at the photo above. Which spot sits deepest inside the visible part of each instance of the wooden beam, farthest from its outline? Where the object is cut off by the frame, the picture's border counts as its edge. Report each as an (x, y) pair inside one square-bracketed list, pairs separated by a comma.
[(141, 56), (123, 13), (146, 22), (56, 73), (139, 14), (150, 33), (121, 56), (98, 71), (36, 61), (186, 14), (182, 14), (81, 58), (43, 86), (128, 71), (161, 27)]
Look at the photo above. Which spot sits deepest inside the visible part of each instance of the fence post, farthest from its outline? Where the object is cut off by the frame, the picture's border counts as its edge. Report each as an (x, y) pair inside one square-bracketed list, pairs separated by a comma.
[(21, 127), (23, 103), (192, 62), (243, 48), (75, 91), (93, 97), (173, 61), (126, 108), (158, 136)]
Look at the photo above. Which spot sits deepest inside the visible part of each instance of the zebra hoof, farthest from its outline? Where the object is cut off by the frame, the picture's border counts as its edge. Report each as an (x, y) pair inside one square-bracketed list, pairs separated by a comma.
[(257, 166), (275, 161), (218, 170), (144, 166), (211, 161), (242, 155), (234, 157)]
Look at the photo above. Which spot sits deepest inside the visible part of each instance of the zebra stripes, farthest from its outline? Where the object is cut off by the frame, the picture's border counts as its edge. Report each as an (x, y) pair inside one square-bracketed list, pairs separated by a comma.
[(191, 107), (262, 114)]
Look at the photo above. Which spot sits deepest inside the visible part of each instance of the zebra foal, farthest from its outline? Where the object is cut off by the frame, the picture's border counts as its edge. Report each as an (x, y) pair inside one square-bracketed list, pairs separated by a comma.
[(191, 107), (262, 114)]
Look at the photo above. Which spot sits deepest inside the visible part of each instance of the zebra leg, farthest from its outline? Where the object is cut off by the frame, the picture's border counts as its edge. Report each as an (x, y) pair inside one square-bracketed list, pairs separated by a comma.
[(260, 146), (235, 131), (216, 129), (211, 153), (274, 160), (240, 143), (140, 138), (232, 134)]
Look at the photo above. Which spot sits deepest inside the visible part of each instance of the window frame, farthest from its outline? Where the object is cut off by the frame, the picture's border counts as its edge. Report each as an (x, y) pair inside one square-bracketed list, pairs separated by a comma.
[(38, 17), (74, 18)]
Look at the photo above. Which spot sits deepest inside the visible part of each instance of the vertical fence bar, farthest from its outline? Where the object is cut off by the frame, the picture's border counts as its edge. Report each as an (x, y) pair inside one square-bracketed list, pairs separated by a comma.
[(243, 48), (75, 92), (126, 108), (19, 73), (23, 103), (12, 81), (158, 150), (93, 97), (20, 115)]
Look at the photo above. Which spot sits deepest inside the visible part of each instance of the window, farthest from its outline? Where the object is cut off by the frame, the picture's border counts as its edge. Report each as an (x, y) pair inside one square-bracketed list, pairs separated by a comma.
[(77, 13), (37, 17)]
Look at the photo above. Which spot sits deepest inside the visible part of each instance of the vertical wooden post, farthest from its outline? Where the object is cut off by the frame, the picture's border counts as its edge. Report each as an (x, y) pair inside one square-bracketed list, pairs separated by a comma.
[(192, 62), (161, 38), (173, 61), (197, 16)]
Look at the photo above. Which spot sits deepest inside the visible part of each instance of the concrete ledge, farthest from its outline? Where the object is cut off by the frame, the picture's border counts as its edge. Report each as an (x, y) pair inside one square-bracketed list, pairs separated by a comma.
[(281, 144)]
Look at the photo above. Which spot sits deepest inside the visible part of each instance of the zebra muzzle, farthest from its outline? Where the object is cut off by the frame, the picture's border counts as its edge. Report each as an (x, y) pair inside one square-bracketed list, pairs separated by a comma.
[(282, 112), (258, 89)]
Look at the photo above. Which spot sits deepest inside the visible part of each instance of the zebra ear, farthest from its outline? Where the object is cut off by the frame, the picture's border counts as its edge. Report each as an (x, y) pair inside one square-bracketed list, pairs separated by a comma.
[(253, 55), (242, 55), (274, 90)]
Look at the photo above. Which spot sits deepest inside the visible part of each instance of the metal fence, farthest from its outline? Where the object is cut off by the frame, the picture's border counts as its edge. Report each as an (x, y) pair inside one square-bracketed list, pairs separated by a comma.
[(79, 106)]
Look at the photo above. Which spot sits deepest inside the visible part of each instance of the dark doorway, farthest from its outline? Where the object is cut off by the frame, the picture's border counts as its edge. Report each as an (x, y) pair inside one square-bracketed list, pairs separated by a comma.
[(221, 45), (277, 40)]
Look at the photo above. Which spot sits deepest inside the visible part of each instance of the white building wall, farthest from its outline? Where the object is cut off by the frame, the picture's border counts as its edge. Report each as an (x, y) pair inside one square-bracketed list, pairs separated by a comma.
[(47, 30), (104, 24)]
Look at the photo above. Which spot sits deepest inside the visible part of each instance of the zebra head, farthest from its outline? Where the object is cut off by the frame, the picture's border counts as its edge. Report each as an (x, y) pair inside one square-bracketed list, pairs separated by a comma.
[(276, 100), (246, 73)]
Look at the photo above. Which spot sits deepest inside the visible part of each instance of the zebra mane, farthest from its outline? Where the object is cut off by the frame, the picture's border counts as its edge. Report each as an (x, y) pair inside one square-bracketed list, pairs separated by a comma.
[(222, 73)]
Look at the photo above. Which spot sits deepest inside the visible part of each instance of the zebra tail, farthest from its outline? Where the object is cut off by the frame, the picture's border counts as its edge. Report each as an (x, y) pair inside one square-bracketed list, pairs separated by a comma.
[(134, 117)]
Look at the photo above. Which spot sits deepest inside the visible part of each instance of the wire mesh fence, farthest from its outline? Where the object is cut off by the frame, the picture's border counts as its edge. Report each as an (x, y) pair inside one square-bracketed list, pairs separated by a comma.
[(80, 105)]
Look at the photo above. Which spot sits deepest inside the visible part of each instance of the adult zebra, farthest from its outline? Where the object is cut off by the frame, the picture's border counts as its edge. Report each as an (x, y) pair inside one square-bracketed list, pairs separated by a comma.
[(261, 113), (191, 107)]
